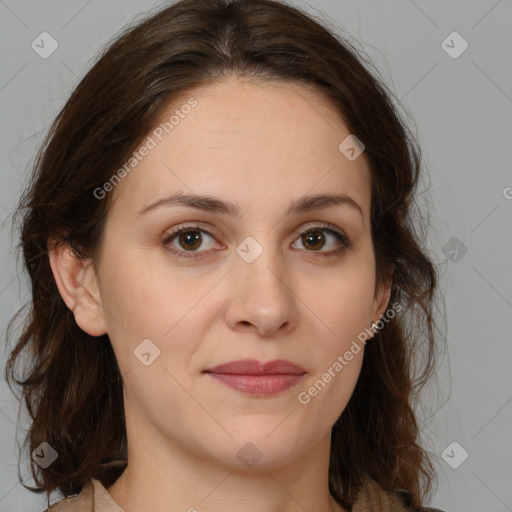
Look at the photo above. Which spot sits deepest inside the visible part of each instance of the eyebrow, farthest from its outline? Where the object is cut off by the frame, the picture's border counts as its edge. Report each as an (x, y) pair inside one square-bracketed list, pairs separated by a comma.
[(216, 205)]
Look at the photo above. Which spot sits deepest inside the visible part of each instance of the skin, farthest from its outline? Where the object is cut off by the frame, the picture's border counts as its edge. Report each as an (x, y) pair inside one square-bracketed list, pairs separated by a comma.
[(262, 146)]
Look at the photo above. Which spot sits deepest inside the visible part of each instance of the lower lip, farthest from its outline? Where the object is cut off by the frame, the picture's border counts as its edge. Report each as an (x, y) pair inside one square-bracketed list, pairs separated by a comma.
[(261, 385)]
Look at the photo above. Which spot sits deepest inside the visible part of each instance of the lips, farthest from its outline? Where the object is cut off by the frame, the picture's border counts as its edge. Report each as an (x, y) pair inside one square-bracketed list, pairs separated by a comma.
[(257, 378), (253, 367)]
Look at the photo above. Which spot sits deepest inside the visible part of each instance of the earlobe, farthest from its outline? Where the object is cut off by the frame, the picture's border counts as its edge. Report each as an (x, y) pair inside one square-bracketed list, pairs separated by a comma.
[(78, 286)]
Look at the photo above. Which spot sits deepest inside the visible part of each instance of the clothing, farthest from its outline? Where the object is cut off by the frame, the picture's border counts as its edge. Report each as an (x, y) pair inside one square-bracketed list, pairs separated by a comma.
[(94, 497)]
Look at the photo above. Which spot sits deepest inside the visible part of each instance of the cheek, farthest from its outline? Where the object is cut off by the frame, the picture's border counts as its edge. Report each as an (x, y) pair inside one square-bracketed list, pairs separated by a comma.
[(141, 303), (147, 300), (342, 312), (343, 303), (327, 393)]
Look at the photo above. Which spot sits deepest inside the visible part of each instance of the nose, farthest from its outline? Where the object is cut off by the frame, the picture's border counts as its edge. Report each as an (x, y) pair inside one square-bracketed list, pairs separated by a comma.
[(261, 297)]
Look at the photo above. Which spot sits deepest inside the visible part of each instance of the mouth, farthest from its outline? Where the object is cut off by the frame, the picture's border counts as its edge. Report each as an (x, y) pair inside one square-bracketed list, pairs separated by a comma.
[(257, 378)]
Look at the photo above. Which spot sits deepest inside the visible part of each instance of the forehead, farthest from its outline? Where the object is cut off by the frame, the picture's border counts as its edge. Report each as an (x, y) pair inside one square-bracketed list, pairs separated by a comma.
[(249, 142)]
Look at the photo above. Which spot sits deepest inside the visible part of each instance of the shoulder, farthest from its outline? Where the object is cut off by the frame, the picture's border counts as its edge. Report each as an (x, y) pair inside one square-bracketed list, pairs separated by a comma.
[(372, 496), (83, 502), (406, 501)]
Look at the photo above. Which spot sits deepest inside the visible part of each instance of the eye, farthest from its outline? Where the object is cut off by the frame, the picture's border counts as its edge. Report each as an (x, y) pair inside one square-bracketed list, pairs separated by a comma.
[(187, 237), (314, 237)]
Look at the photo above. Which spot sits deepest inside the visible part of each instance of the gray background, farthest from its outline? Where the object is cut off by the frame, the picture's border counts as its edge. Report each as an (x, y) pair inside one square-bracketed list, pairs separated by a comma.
[(462, 110)]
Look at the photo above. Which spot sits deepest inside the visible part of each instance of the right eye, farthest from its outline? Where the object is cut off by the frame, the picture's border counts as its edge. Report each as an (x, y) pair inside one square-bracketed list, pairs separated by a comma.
[(184, 240)]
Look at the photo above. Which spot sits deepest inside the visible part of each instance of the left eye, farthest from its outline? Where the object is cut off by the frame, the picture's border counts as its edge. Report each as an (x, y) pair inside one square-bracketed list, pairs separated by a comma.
[(190, 239), (315, 236)]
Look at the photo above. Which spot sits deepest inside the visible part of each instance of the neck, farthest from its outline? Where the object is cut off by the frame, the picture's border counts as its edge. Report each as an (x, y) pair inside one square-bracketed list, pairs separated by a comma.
[(163, 477)]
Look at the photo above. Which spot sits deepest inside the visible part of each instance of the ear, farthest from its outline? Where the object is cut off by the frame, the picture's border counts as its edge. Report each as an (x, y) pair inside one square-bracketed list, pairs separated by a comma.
[(382, 296), (78, 286)]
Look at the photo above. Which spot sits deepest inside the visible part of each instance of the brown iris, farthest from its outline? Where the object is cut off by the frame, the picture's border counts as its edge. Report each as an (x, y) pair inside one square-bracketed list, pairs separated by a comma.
[(190, 238), (311, 238)]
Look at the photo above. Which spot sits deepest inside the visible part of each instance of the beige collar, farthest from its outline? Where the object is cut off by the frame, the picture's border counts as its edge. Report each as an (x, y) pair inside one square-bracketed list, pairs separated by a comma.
[(95, 498), (372, 498)]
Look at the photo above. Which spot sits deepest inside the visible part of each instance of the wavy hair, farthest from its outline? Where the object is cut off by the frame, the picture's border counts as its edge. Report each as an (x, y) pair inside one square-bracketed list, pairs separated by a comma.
[(70, 381)]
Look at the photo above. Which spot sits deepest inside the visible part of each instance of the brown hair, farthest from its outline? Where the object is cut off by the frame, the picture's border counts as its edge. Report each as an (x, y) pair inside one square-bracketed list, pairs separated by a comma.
[(69, 376)]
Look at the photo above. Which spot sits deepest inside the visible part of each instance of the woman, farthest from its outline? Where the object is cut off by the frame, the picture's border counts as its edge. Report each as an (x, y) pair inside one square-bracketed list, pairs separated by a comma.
[(228, 292)]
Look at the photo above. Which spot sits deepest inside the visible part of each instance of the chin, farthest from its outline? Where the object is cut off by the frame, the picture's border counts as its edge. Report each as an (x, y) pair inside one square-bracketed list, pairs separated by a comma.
[(259, 450)]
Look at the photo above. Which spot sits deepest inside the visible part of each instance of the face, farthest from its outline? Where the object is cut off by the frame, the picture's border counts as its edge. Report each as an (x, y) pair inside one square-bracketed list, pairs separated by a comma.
[(280, 278)]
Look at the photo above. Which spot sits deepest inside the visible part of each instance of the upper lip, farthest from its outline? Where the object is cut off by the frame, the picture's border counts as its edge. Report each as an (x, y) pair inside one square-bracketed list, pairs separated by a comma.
[(253, 367)]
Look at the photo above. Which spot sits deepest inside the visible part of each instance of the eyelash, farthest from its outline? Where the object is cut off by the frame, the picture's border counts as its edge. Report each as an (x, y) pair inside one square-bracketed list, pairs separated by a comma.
[(341, 237)]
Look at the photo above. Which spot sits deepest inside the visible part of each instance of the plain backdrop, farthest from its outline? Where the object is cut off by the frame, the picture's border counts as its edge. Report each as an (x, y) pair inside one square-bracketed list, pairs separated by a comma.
[(460, 104)]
